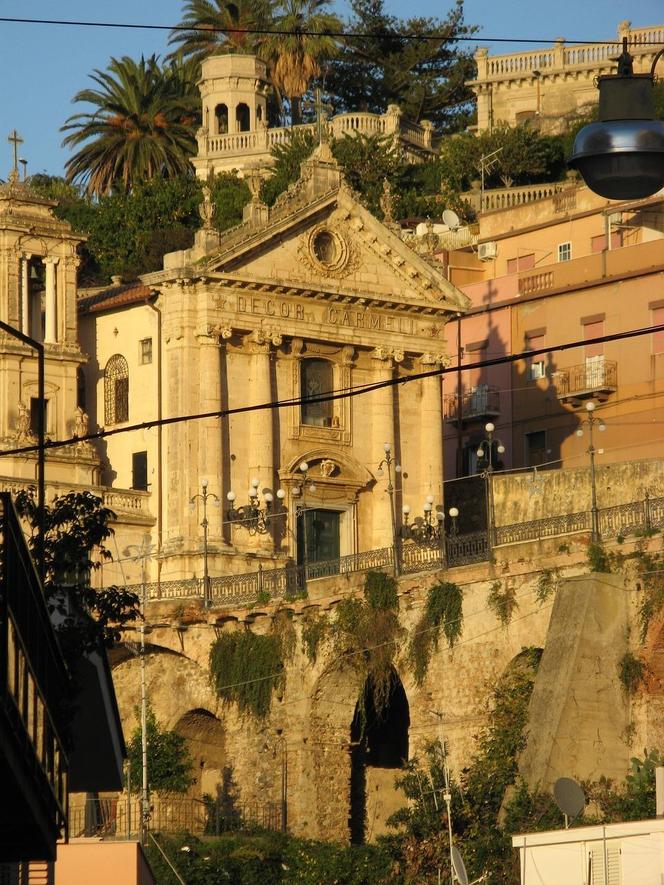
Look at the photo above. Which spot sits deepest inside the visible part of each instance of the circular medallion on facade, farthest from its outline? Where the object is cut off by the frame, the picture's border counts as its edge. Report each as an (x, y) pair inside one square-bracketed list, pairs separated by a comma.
[(327, 250)]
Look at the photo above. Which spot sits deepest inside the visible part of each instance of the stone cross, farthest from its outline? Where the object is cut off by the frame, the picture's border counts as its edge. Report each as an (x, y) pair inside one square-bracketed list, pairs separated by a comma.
[(321, 109), (15, 139)]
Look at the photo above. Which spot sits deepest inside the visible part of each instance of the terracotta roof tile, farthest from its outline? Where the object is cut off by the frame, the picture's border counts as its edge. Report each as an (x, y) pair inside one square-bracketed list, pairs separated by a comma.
[(115, 296)]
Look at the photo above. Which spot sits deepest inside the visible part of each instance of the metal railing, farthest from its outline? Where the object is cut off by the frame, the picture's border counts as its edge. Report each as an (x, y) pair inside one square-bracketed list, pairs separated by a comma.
[(480, 402), (589, 377), (119, 817), (290, 581)]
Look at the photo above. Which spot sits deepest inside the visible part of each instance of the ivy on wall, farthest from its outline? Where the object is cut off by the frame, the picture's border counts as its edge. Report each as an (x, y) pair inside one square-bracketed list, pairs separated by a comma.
[(443, 610)]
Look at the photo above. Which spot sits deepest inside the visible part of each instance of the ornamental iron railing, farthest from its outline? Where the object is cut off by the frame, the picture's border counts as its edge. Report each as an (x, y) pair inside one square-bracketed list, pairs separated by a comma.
[(592, 377), (291, 581)]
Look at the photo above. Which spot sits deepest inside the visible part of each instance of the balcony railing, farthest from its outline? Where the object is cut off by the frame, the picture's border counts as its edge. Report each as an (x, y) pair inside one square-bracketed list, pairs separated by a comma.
[(597, 379), (479, 403)]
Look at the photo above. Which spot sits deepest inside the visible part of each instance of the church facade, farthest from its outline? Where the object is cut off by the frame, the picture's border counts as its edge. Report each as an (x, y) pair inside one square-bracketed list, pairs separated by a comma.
[(249, 333)]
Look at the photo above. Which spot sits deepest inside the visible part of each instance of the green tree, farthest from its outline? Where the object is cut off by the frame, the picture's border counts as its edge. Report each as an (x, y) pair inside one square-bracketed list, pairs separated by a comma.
[(142, 125), (170, 764), (76, 531), (302, 45), (383, 64), (209, 27)]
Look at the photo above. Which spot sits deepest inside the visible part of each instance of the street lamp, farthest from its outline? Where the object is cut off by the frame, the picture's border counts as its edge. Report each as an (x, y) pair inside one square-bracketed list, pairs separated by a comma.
[(592, 421), (253, 516), (203, 497), (385, 467), (622, 156), (485, 452), (427, 531)]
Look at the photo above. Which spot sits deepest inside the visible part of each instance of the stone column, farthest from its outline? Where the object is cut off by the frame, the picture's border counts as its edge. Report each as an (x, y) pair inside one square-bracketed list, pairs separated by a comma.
[(261, 438), (50, 336), (431, 432), (383, 431), (25, 293), (209, 445)]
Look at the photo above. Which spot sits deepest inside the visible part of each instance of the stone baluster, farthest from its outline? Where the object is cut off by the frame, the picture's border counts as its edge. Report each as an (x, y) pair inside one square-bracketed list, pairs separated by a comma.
[(50, 336)]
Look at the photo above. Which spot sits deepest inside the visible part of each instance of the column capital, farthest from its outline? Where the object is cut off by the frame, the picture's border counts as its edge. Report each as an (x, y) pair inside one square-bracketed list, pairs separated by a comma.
[(388, 354), (26, 256), (50, 259), (435, 359), (266, 337)]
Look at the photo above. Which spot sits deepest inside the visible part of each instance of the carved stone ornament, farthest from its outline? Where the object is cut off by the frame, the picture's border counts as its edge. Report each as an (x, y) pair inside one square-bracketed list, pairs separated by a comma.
[(23, 430), (267, 336), (327, 250), (328, 467)]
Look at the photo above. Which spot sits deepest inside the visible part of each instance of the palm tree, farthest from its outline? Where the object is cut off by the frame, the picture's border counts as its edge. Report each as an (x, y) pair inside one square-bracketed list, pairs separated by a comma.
[(143, 124), (213, 26), (301, 43)]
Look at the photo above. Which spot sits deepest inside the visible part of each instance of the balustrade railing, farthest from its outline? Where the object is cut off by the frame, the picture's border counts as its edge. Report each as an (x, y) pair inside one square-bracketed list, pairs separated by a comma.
[(593, 376), (291, 581)]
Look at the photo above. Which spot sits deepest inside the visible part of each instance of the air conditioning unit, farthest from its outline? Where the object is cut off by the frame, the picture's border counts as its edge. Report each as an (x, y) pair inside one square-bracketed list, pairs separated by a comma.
[(487, 251)]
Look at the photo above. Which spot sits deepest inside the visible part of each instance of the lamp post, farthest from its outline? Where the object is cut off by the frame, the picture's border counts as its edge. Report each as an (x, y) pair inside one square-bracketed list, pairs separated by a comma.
[(41, 442), (485, 452), (254, 517), (141, 554), (622, 155), (203, 497), (426, 532), (593, 421), (385, 466)]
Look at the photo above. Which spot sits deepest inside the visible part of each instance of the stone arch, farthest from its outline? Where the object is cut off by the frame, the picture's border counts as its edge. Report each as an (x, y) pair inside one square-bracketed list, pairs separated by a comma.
[(350, 767), (175, 686), (379, 748), (221, 119), (242, 117), (206, 740)]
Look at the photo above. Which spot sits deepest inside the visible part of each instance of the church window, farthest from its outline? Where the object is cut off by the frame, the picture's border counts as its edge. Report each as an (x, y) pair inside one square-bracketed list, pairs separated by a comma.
[(317, 379), (139, 471), (242, 117), (221, 116), (34, 415), (116, 390)]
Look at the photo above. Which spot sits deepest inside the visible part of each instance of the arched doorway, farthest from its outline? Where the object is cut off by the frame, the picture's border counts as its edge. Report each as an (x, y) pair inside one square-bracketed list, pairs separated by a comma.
[(206, 741), (379, 748), (221, 117), (242, 117)]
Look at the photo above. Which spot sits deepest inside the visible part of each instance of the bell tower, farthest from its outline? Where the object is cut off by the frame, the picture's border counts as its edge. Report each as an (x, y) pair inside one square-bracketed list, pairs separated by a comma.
[(234, 107), (38, 266)]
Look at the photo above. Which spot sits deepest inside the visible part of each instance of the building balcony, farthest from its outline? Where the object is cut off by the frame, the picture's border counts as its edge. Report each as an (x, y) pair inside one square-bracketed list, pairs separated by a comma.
[(594, 379), (477, 404)]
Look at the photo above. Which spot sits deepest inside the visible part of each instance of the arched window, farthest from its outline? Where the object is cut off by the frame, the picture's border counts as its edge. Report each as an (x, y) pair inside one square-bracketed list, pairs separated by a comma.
[(221, 116), (317, 379), (116, 390), (242, 117)]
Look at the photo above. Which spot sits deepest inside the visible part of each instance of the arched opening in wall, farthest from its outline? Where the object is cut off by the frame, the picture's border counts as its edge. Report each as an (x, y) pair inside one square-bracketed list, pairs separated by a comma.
[(259, 114), (242, 117), (206, 741), (379, 748), (221, 118)]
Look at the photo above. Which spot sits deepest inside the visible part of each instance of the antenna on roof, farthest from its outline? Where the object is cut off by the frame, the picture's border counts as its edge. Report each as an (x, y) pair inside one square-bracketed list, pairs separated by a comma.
[(451, 219), (569, 797)]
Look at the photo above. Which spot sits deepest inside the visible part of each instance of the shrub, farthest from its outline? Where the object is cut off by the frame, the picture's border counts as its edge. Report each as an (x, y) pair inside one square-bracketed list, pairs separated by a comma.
[(444, 608)]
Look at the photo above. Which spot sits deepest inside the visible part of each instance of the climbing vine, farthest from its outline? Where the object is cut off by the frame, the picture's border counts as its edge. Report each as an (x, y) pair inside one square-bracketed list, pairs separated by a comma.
[(314, 631), (547, 584), (246, 667), (365, 634), (443, 609), (631, 671), (502, 601)]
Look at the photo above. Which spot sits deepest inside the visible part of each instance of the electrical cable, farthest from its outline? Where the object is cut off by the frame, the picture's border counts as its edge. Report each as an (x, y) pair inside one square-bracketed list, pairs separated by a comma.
[(339, 394), (380, 35)]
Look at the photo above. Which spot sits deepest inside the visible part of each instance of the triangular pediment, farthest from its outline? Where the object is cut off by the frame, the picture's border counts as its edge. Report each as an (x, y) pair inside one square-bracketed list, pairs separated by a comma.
[(333, 244), (318, 237)]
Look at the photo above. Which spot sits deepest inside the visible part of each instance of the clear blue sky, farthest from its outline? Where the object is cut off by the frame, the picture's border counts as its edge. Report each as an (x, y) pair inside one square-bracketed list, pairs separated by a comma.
[(42, 67)]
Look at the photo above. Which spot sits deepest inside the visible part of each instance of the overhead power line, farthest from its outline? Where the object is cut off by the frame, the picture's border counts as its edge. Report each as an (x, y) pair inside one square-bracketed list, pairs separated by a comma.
[(380, 35), (345, 393)]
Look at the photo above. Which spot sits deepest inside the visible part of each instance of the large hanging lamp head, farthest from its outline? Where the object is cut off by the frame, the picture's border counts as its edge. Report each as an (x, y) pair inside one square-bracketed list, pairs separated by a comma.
[(622, 156)]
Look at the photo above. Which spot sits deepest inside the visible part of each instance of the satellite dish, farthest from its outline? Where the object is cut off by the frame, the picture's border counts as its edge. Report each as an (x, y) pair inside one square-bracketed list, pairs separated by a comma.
[(569, 797), (451, 219), (459, 866)]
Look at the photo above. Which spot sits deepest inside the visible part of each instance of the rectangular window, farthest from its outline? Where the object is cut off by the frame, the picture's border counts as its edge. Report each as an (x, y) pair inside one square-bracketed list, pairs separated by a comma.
[(535, 448), (34, 415), (658, 337), (564, 252), (536, 366), (522, 262), (145, 351), (139, 471)]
